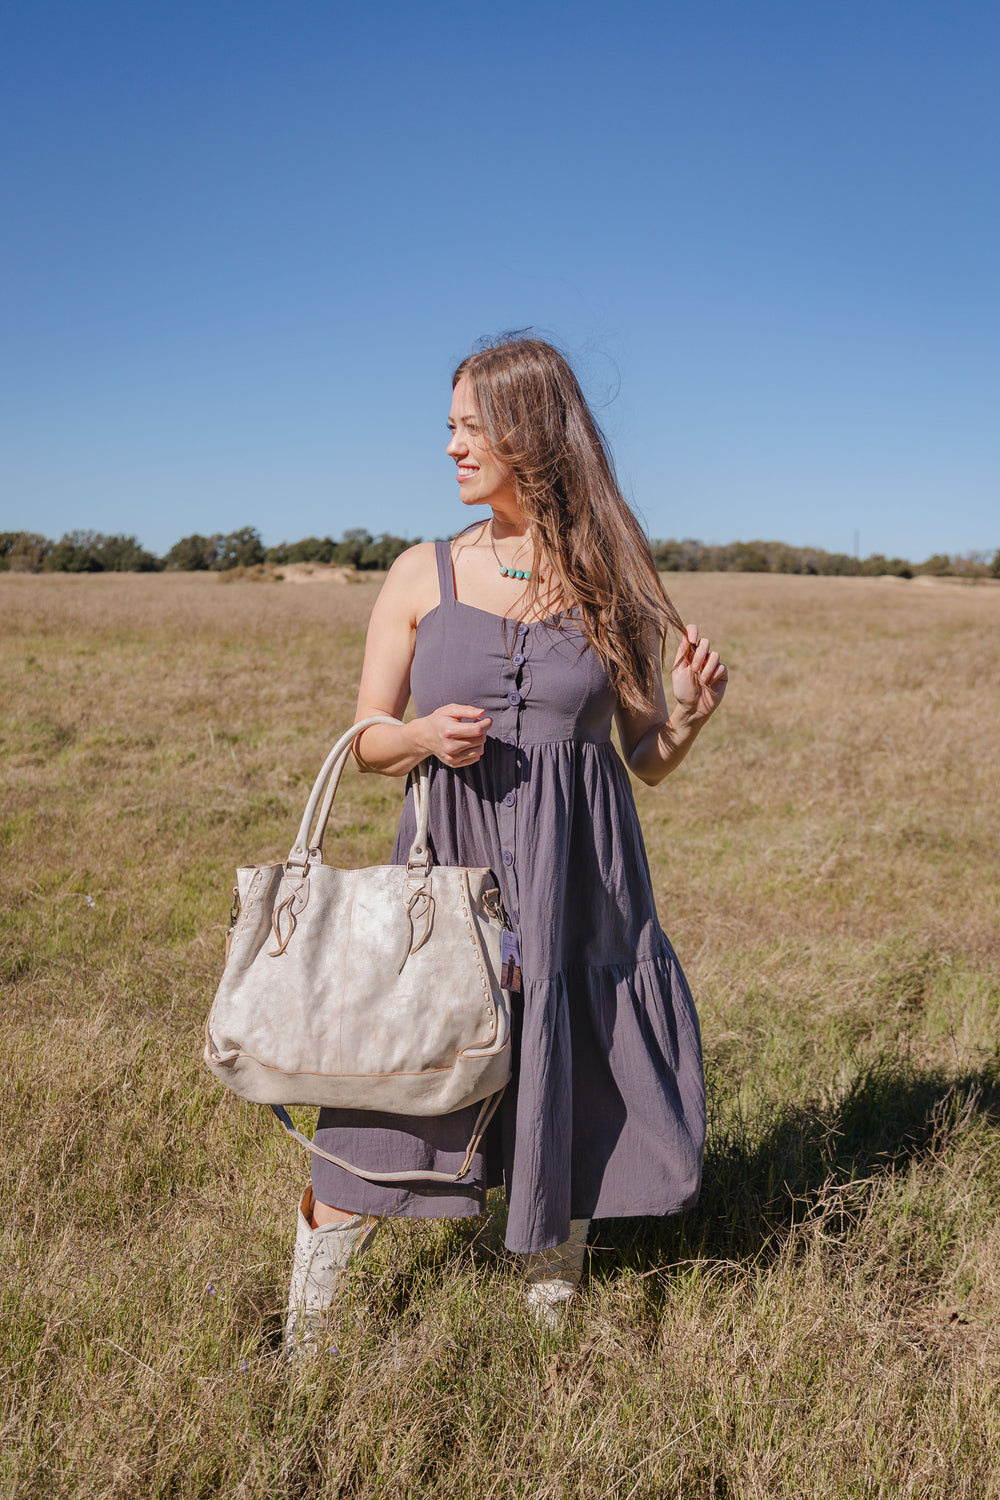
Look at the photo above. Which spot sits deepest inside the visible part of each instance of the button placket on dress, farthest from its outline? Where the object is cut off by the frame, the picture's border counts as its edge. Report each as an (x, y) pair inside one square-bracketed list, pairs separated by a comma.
[(514, 685)]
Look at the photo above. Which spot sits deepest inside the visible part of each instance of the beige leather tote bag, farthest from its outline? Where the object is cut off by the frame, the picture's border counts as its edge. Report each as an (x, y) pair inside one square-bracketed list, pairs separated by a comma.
[(363, 989)]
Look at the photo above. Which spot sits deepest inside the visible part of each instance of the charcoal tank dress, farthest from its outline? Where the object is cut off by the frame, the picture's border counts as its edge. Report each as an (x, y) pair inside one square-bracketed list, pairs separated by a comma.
[(605, 1114)]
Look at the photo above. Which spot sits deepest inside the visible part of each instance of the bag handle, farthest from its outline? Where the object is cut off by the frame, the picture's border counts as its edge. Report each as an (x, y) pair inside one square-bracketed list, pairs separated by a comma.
[(325, 789), (486, 1113)]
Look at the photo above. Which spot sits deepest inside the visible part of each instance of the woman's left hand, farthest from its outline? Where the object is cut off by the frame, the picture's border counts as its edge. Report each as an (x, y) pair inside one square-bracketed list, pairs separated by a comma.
[(698, 677)]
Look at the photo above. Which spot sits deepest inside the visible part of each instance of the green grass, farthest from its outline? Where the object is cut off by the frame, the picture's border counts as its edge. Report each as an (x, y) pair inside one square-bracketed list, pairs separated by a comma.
[(823, 1323)]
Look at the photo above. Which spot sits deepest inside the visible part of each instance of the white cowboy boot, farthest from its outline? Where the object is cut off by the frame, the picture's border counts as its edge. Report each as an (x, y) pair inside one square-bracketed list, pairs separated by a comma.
[(321, 1258), (552, 1276)]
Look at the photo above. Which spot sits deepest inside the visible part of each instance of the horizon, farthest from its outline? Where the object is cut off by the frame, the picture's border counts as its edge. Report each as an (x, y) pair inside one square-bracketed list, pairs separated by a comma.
[(982, 554), (81, 537)]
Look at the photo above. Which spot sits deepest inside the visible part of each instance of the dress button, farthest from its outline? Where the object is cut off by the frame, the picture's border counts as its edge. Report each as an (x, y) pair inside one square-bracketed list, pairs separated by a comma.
[(509, 739), (510, 799), (517, 660), (508, 858), (514, 699), (515, 917), (522, 630)]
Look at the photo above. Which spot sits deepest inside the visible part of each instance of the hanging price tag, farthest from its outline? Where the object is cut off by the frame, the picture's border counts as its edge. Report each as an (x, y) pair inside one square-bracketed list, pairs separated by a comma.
[(510, 963)]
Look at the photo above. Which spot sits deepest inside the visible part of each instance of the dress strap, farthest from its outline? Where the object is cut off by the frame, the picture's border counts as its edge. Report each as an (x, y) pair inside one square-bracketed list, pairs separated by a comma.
[(446, 575)]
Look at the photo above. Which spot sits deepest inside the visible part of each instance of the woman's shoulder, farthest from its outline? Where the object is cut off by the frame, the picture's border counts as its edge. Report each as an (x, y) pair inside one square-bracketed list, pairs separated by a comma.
[(416, 562), (412, 581)]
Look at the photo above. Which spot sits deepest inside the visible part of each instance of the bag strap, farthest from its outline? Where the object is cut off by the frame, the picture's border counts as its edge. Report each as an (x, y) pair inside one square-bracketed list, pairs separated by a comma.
[(486, 1113), (320, 803)]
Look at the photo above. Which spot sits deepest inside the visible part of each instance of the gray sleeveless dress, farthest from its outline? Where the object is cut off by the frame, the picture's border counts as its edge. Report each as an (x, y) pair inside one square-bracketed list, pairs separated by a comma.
[(605, 1115)]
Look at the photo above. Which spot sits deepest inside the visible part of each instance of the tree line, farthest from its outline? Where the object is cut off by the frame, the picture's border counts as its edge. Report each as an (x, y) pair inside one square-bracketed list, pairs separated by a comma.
[(778, 557), (94, 552)]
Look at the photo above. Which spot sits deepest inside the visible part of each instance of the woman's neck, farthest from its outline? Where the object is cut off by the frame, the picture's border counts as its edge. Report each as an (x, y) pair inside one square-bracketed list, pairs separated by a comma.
[(505, 523)]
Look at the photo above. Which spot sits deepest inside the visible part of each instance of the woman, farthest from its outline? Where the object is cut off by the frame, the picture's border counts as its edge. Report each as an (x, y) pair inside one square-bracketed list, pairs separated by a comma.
[(520, 641)]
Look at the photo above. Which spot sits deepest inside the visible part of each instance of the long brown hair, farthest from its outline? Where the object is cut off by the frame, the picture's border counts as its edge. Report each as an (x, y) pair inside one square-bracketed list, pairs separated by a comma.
[(538, 423)]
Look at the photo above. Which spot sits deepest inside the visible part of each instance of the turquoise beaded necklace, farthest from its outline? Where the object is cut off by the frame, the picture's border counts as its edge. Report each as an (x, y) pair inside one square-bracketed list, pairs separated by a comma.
[(506, 572)]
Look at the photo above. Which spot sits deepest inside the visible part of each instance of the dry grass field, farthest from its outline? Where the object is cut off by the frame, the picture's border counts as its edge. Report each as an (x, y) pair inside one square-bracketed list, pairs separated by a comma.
[(826, 1323)]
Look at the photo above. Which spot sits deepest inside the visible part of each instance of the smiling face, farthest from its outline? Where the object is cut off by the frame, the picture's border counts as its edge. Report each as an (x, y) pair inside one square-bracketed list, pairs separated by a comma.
[(482, 478)]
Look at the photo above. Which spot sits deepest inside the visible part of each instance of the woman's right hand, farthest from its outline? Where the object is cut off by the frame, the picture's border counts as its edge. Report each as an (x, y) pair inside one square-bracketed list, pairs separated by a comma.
[(455, 733)]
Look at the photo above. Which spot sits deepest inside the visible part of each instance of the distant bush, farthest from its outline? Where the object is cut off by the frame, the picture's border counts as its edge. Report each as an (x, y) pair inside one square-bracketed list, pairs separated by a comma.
[(972, 565), (679, 557), (876, 566), (194, 554), (312, 549), (23, 551), (937, 566), (241, 549), (961, 565), (255, 573), (381, 551), (690, 556), (218, 553), (93, 552), (357, 548)]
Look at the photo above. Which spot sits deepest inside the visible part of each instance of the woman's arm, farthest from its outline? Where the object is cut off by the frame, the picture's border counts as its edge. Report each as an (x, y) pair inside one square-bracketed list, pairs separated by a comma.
[(409, 591), (655, 743)]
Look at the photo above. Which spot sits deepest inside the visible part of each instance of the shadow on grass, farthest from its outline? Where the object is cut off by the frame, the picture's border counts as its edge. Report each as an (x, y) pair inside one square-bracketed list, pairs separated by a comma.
[(764, 1175)]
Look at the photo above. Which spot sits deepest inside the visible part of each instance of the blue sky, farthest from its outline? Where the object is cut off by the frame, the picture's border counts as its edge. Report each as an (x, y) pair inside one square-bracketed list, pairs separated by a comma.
[(245, 243)]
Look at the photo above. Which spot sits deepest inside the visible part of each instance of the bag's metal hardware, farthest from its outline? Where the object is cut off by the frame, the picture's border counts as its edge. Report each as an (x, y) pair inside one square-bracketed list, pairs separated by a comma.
[(492, 903), (234, 917), (298, 861)]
